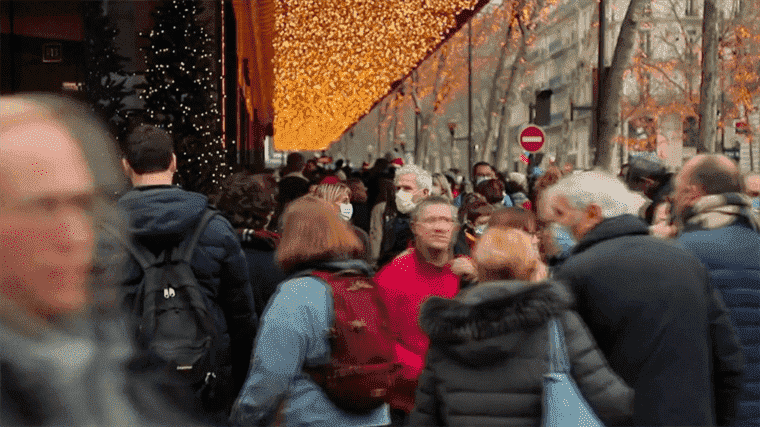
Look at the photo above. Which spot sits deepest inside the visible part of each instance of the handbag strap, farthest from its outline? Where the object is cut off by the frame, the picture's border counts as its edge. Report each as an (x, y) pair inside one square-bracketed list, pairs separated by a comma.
[(558, 362)]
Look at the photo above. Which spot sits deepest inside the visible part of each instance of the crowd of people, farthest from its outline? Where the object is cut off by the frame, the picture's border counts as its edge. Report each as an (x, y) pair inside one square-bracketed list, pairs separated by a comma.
[(128, 300)]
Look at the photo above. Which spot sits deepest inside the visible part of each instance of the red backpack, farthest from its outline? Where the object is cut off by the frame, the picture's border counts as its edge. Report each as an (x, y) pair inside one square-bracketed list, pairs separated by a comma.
[(362, 365)]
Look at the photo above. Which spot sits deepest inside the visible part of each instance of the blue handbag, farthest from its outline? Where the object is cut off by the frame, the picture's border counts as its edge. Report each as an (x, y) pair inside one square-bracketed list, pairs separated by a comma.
[(563, 403)]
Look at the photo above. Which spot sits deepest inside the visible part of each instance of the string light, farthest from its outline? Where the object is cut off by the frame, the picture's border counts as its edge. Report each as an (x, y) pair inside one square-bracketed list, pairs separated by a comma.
[(181, 96), (323, 86)]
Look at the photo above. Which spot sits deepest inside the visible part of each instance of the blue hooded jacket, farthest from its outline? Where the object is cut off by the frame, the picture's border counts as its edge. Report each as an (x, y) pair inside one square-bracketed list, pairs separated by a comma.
[(162, 215), (295, 333)]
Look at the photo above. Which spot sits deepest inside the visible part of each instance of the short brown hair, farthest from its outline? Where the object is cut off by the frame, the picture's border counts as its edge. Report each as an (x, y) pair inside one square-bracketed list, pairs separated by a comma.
[(312, 231), (149, 149), (492, 189), (247, 200)]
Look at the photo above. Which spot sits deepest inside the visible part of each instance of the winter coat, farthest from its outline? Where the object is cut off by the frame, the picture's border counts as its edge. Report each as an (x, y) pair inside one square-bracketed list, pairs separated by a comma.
[(163, 215), (294, 333), (489, 351), (661, 326), (732, 254), (264, 274), (390, 234)]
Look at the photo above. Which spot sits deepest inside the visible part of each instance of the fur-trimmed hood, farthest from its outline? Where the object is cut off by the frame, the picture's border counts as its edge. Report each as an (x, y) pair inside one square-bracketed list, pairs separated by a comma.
[(490, 320)]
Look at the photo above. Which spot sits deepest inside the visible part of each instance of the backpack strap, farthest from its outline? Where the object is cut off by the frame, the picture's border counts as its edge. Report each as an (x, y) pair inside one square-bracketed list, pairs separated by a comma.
[(184, 252)]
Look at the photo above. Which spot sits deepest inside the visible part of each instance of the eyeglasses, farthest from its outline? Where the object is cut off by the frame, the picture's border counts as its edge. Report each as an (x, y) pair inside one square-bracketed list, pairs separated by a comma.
[(436, 220)]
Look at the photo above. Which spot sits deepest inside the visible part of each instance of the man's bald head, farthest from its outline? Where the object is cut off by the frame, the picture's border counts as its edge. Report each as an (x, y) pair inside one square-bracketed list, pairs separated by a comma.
[(713, 174)]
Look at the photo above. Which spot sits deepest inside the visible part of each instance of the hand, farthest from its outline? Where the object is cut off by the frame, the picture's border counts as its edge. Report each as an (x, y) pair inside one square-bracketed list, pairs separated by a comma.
[(465, 268), (663, 230)]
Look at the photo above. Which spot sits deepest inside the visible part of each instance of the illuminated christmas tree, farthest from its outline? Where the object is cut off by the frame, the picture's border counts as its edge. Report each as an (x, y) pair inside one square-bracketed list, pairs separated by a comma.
[(104, 83), (181, 93)]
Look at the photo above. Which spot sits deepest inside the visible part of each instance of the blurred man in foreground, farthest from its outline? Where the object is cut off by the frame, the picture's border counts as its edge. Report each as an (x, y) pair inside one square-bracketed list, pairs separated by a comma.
[(58, 366)]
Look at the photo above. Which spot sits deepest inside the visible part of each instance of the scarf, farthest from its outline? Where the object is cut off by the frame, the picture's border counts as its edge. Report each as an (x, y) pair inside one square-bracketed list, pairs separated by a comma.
[(720, 210)]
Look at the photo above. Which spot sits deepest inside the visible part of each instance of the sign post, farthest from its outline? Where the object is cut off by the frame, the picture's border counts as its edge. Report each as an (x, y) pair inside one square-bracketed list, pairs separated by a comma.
[(532, 138)]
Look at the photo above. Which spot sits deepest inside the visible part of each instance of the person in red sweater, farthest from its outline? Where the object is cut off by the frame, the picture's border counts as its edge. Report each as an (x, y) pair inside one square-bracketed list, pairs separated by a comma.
[(427, 269)]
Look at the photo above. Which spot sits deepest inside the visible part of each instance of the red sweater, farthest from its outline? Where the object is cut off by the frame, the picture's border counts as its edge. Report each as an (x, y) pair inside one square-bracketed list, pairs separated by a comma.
[(405, 283)]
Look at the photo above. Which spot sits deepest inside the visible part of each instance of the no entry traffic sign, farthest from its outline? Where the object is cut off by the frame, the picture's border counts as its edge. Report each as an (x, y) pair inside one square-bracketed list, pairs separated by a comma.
[(532, 138)]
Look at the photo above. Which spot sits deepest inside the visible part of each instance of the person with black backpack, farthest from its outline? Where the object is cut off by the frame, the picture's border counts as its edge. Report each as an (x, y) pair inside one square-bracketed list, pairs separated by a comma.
[(324, 355), (187, 288)]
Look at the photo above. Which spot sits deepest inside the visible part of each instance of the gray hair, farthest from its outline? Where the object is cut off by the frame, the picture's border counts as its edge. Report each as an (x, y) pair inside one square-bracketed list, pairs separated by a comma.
[(595, 188), (424, 178), (434, 200)]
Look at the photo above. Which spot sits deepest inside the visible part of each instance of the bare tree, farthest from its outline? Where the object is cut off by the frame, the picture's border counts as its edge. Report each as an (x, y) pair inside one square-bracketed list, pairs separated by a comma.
[(504, 78), (708, 106), (428, 99), (517, 71), (609, 121)]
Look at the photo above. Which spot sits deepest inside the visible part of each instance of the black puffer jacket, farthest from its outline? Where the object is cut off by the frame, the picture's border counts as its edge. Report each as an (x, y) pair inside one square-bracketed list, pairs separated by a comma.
[(489, 351), (160, 216)]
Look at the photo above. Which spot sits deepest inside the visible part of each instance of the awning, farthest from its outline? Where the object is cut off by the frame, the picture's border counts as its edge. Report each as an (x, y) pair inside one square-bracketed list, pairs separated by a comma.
[(313, 68), (255, 50)]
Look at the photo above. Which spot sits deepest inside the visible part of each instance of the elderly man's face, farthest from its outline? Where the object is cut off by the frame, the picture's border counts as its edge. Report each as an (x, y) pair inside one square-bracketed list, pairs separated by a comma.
[(579, 222), (46, 224), (685, 194), (435, 228)]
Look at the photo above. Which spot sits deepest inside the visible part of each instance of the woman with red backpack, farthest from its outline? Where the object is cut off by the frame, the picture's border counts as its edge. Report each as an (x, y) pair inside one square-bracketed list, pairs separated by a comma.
[(306, 368)]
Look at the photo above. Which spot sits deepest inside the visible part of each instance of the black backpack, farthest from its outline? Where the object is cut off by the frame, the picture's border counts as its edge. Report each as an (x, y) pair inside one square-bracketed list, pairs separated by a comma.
[(172, 322)]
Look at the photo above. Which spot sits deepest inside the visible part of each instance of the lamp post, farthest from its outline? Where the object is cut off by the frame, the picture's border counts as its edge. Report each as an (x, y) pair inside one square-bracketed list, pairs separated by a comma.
[(469, 95), (452, 130)]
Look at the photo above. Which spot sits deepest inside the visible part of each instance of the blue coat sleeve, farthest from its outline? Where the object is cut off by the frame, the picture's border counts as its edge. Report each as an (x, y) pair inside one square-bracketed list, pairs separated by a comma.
[(288, 336)]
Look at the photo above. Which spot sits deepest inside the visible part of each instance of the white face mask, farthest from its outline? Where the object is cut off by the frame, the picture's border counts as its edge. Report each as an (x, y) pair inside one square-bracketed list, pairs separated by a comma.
[(404, 202), (481, 178), (479, 230), (346, 211)]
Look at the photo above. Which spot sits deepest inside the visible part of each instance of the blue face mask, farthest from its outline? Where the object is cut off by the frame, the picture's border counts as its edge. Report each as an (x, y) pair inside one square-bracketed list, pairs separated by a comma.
[(479, 230), (756, 203)]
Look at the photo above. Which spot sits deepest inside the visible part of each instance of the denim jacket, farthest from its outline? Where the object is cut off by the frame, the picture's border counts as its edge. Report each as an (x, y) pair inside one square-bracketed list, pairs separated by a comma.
[(294, 334)]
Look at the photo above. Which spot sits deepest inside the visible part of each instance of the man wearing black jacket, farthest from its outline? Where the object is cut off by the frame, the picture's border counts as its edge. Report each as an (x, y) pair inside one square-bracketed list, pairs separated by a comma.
[(650, 306), (161, 215)]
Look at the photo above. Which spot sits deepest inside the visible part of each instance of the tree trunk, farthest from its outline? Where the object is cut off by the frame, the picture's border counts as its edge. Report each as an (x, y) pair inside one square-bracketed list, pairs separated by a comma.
[(708, 106), (493, 109), (609, 121), (505, 154)]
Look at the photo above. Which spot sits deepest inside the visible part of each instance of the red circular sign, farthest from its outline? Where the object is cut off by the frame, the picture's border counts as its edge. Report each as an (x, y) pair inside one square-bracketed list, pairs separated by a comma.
[(532, 138)]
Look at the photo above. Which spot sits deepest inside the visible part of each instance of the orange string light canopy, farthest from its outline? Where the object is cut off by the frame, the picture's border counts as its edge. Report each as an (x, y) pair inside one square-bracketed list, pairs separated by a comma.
[(334, 59)]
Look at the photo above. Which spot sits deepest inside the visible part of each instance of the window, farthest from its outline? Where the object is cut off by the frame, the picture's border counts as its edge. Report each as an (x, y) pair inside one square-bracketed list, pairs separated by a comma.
[(691, 7)]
